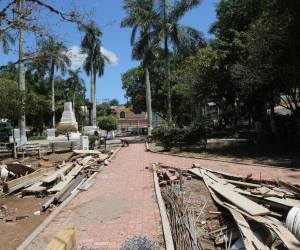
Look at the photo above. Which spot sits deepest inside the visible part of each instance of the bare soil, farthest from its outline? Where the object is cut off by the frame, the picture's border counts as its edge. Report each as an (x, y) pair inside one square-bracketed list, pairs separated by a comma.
[(15, 232), (239, 153), (46, 161)]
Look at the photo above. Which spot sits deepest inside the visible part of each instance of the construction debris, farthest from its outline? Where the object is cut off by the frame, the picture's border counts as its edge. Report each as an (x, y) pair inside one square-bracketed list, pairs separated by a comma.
[(250, 213), (56, 182)]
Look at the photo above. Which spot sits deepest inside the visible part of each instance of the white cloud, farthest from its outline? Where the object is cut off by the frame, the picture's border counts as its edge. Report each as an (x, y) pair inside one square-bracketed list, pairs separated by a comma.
[(77, 58), (113, 58)]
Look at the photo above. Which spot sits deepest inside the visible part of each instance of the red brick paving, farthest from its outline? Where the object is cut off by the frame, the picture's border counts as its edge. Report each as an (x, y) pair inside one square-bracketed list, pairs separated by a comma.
[(122, 201)]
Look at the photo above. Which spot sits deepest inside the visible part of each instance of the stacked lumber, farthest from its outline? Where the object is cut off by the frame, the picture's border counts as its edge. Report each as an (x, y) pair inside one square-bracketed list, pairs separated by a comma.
[(251, 202), (58, 182)]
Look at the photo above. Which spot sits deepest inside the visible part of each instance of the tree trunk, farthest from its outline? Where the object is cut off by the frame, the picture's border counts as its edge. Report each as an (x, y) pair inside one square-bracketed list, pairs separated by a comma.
[(52, 92), (148, 100), (74, 102), (21, 77), (168, 80), (93, 97), (15, 146), (94, 110), (105, 141)]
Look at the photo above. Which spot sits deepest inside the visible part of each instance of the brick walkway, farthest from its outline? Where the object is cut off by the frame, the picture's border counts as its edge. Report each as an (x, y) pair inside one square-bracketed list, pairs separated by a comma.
[(122, 201)]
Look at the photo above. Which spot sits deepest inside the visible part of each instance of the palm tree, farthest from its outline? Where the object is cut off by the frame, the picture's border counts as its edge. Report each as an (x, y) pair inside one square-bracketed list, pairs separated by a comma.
[(141, 17), (75, 83), (95, 61), (53, 54), (171, 33), (6, 39)]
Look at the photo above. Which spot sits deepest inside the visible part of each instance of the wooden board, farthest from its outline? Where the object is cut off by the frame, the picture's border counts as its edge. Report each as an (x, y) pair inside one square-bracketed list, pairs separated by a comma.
[(289, 186), (250, 240), (58, 173), (229, 175), (35, 188), (239, 200), (196, 172), (248, 237), (90, 152), (163, 213), (243, 184), (282, 202), (67, 179), (28, 180), (282, 232)]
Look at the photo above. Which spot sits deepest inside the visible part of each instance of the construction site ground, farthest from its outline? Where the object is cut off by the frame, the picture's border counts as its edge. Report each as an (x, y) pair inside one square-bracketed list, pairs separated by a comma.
[(240, 152), (15, 231), (122, 201)]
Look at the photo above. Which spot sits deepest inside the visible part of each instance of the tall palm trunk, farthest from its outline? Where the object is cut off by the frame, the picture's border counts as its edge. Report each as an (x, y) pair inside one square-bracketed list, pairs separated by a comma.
[(148, 100), (74, 102), (93, 96), (52, 92), (168, 80), (21, 76), (94, 111)]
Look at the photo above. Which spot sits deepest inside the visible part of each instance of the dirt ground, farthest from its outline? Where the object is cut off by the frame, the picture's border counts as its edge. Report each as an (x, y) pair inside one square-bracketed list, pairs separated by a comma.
[(46, 161), (13, 233)]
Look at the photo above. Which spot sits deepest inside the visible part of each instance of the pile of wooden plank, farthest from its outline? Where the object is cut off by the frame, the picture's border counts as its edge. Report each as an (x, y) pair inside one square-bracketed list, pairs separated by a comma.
[(250, 203), (58, 182)]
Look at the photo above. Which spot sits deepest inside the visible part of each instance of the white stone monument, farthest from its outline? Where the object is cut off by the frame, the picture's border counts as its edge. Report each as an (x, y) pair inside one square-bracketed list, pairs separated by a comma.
[(68, 116), (51, 134)]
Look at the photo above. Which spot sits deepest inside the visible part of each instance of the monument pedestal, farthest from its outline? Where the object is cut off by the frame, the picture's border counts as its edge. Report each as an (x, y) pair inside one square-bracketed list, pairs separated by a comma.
[(51, 134), (67, 127), (68, 116)]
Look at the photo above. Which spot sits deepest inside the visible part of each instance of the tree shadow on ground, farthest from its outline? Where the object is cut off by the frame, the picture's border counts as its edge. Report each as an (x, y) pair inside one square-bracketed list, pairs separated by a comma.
[(267, 154)]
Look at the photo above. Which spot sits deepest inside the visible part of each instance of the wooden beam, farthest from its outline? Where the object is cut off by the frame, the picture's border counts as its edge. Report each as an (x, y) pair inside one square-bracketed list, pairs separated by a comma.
[(58, 173), (27, 180), (163, 213), (249, 239), (239, 200)]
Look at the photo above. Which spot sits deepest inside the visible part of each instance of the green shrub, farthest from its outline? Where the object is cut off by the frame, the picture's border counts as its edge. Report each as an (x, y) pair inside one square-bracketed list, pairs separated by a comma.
[(37, 137), (107, 123), (169, 137)]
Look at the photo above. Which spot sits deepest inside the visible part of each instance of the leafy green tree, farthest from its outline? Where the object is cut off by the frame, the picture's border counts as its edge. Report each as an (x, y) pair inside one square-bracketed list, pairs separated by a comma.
[(53, 54), (200, 80), (103, 109), (95, 61), (11, 101), (38, 111), (107, 123), (114, 102)]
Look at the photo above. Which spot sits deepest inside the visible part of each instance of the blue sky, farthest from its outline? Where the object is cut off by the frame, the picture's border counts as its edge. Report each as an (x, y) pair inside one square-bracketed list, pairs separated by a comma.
[(108, 15)]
